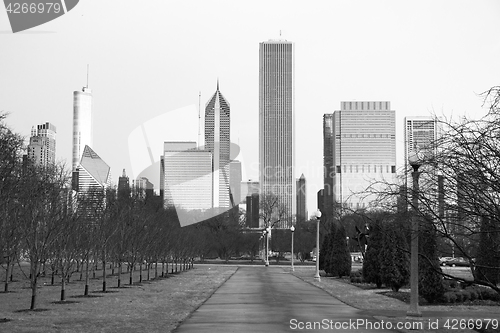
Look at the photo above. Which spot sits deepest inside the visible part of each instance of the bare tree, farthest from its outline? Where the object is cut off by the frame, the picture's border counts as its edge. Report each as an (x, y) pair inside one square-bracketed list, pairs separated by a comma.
[(460, 191), (45, 208), (11, 150)]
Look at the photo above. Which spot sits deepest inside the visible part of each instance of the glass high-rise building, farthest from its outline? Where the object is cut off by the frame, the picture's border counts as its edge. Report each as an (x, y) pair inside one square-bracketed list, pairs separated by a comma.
[(187, 176), (93, 172), (217, 140), (363, 150), (277, 123), (328, 165), (421, 132)]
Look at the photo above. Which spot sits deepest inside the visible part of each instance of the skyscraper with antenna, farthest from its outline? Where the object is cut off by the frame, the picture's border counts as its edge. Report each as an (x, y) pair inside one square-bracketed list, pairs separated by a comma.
[(277, 124), (82, 124), (217, 141)]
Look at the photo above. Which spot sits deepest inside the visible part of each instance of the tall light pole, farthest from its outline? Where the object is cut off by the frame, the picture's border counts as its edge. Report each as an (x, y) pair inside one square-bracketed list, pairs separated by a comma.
[(317, 214), (415, 161), (292, 229)]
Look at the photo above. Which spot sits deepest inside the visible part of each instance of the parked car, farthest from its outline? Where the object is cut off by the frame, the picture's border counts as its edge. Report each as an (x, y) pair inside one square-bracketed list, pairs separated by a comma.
[(443, 260), (458, 261)]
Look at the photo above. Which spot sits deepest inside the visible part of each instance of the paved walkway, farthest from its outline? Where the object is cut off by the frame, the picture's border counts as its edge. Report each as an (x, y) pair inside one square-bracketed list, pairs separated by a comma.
[(269, 299)]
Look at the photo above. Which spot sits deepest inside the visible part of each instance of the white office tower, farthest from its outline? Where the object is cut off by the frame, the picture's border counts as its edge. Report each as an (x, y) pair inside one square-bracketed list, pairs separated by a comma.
[(364, 151), (187, 176), (277, 123)]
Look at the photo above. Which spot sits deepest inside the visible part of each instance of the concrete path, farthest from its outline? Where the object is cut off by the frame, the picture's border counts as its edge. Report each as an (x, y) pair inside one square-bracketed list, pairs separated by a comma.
[(269, 299)]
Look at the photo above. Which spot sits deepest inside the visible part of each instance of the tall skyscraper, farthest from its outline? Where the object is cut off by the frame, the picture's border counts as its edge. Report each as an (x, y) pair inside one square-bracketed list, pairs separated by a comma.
[(301, 199), (217, 140), (364, 151), (328, 165), (277, 123), (187, 176), (82, 123), (123, 186), (42, 146), (82, 129)]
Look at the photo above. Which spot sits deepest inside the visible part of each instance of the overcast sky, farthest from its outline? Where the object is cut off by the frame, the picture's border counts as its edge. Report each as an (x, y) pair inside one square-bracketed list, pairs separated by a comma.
[(151, 58)]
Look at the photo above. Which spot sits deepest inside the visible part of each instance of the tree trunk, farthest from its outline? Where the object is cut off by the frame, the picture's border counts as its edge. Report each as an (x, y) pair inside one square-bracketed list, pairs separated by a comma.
[(6, 289), (63, 285), (130, 276), (140, 272), (87, 277), (34, 282), (119, 274), (156, 270), (53, 276), (104, 275)]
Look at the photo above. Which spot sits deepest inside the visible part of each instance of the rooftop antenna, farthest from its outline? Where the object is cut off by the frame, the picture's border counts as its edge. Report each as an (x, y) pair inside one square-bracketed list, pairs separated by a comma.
[(199, 120)]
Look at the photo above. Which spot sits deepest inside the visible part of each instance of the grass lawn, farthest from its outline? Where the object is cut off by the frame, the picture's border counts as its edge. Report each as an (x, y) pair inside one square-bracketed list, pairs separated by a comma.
[(376, 300), (151, 306)]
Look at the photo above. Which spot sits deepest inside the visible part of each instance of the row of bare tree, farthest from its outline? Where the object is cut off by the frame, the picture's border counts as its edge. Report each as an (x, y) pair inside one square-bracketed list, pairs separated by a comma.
[(46, 226)]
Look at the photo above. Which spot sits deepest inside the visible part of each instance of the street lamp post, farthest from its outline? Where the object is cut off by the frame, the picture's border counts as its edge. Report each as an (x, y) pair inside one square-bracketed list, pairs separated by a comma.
[(268, 230), (415, 162), (292, 229), (317, 214)]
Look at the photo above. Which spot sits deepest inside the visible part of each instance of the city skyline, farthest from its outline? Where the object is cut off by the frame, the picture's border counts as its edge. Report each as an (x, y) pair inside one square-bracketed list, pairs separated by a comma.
[(424, 57)]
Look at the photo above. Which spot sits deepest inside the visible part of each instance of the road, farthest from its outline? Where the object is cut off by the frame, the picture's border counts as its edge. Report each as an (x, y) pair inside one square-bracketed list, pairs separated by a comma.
[(270, 299)]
